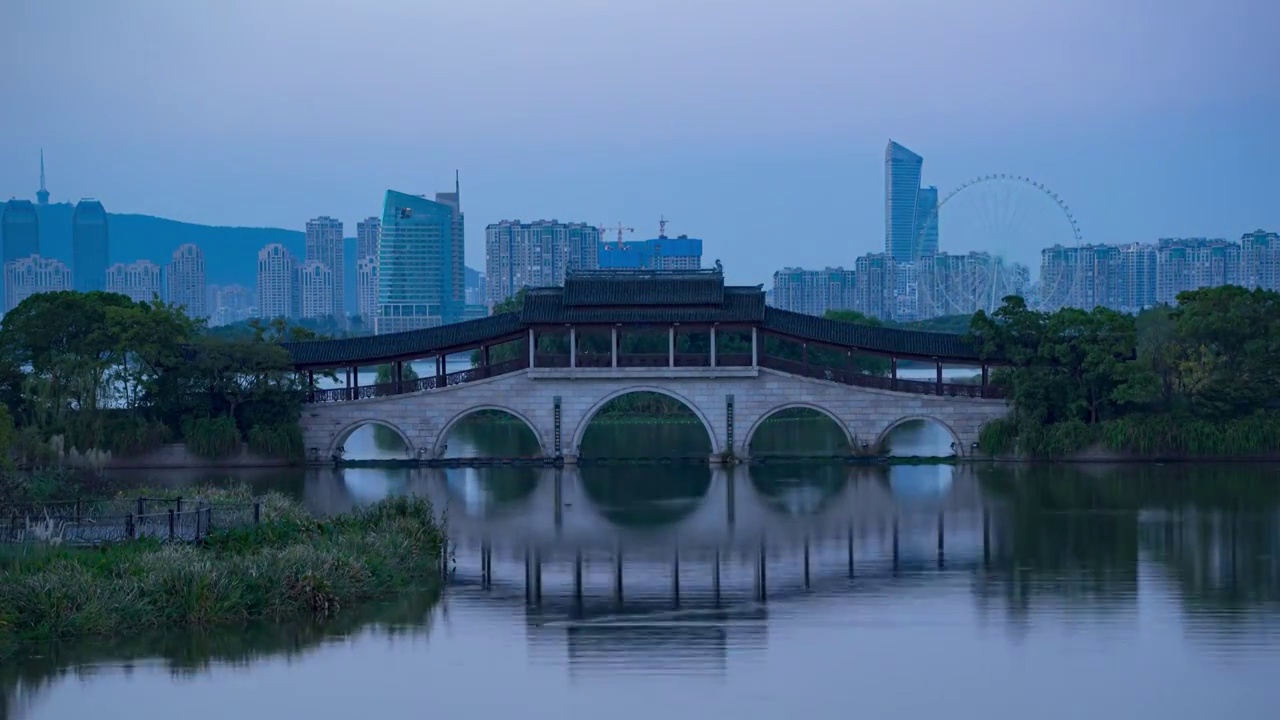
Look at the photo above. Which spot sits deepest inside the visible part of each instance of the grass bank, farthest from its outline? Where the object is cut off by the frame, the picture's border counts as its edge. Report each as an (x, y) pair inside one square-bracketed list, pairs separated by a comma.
[(291, 566)]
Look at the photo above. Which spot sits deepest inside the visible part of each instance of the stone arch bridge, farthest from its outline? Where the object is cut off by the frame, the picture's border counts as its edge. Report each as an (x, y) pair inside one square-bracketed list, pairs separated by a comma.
[(718, 349)]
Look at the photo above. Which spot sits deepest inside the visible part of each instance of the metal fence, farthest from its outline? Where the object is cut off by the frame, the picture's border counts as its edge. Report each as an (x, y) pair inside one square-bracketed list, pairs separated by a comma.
[(79, 522)]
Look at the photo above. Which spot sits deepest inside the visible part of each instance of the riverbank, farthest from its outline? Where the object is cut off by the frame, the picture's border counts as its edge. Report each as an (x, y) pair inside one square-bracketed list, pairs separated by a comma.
[(291, 566), (1136, 438)]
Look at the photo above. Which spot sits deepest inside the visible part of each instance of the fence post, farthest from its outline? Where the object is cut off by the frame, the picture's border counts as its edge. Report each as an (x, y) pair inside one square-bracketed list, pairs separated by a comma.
[(171, 518), (257, 512), (129, 528), (142, 506), (77, 515), (178, 503)]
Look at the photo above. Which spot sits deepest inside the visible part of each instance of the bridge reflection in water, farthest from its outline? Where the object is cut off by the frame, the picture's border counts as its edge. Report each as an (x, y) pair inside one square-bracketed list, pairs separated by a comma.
[(618, 564), (716, 535)]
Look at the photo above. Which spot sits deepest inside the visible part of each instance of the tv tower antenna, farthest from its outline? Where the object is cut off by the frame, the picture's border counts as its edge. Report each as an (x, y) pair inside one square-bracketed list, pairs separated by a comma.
[(42, 195)]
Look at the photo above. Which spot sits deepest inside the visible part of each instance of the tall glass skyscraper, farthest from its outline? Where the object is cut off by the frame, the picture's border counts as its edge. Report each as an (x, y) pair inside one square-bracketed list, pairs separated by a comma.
[(89, 246), (421, 275), (910, 220), (20, 229)]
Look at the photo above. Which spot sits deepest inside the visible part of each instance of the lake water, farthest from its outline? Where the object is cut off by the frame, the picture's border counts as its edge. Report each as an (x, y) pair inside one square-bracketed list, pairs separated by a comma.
[(789, 589)]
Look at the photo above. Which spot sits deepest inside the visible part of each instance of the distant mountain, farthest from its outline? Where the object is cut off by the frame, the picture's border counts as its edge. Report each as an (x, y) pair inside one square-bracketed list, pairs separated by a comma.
[(230, 253)]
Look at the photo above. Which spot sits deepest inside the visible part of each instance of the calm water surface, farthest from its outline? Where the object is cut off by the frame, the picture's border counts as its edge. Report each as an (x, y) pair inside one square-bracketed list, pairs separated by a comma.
[(781, 590)]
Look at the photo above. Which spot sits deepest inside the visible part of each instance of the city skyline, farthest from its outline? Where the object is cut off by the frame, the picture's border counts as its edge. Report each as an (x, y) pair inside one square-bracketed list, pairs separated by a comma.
[(1143, 139)]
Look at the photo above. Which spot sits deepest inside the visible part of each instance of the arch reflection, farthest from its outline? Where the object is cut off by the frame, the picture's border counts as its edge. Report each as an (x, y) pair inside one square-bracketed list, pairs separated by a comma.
[(487, 492), (646, 496), (799, 489), (920, 485), (369, 485)]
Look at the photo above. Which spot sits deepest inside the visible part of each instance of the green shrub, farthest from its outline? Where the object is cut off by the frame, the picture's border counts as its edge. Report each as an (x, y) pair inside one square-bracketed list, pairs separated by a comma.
[(212, 438), (282, 440)]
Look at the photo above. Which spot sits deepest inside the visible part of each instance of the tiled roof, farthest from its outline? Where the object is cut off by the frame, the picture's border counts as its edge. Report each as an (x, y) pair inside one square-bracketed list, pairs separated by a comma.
[(624, 288), (381, 348), (866, 337), (550, 307)]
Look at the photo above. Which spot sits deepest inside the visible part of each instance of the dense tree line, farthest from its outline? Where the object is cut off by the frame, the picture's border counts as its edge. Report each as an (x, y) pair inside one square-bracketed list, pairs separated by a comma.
[(98, 371), (1198, 379)]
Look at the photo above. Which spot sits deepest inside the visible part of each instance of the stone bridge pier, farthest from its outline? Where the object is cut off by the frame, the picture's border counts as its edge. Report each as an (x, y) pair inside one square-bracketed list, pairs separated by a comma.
[(557, 404)]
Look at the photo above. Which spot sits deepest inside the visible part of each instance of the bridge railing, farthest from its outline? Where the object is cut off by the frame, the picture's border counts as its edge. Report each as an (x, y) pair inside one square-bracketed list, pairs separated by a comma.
[(846, 376), (879, 382), (430, 382)]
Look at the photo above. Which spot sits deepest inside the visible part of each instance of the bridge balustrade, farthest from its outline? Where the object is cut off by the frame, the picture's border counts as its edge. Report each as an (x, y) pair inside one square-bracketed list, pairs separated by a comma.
[(644, 360), (803, 368)]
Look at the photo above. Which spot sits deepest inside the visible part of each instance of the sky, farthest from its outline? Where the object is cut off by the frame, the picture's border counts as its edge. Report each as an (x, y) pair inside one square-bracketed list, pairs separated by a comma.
[(757, 125)]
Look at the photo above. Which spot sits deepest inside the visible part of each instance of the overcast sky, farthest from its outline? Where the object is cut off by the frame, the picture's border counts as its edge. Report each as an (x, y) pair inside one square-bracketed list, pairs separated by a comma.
[(758, 126)]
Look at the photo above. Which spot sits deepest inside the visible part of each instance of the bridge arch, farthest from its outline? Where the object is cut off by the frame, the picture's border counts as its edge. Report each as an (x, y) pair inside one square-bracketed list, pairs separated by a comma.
[(581, 431), (955, 437), (438, 447), (751, 432), (340, 438)]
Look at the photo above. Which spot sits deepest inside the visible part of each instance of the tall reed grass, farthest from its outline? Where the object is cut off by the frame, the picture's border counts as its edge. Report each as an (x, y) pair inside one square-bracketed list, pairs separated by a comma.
[(290, 566)]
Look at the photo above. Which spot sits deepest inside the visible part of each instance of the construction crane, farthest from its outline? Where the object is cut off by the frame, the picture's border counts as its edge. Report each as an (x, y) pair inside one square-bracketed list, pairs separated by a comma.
[(662, 226), (620, 230)]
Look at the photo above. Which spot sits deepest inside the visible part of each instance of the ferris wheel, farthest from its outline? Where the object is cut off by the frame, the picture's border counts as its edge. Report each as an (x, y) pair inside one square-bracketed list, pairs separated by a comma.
[(981, 241)]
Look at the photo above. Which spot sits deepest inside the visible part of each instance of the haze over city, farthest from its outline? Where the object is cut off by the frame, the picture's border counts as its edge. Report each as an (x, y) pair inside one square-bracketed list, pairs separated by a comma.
[(761, 132)]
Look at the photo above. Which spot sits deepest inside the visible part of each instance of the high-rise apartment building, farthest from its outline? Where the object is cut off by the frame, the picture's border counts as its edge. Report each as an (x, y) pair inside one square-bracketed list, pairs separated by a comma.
[(536, 254), (1194, 263), (276, 286), (316, 290), (230, 304), (368, 238), (324, 245), (1137, 277), (910, 212), (185, 281), (874, 291), (367, 288), (421, 270), (926, 222), (139, 281), (32, 275), (368, 234), (1260, 260), (814, 292), (1082, 276), (89, 246), (661, 253)]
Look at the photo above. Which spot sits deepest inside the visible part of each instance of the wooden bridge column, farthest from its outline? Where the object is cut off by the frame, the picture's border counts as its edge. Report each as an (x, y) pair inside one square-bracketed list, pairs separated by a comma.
[(533, 346), (985, 377), (755, 352), (311, 386), (939, 377), (613, 346), (399, 378), (573, 346), (671, 346), (893, 369), (346, 386), (355, 382), (713, 346)]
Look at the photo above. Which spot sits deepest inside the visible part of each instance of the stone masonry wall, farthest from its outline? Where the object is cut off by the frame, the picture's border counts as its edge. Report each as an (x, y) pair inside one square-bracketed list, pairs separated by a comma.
[(423, 419)]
